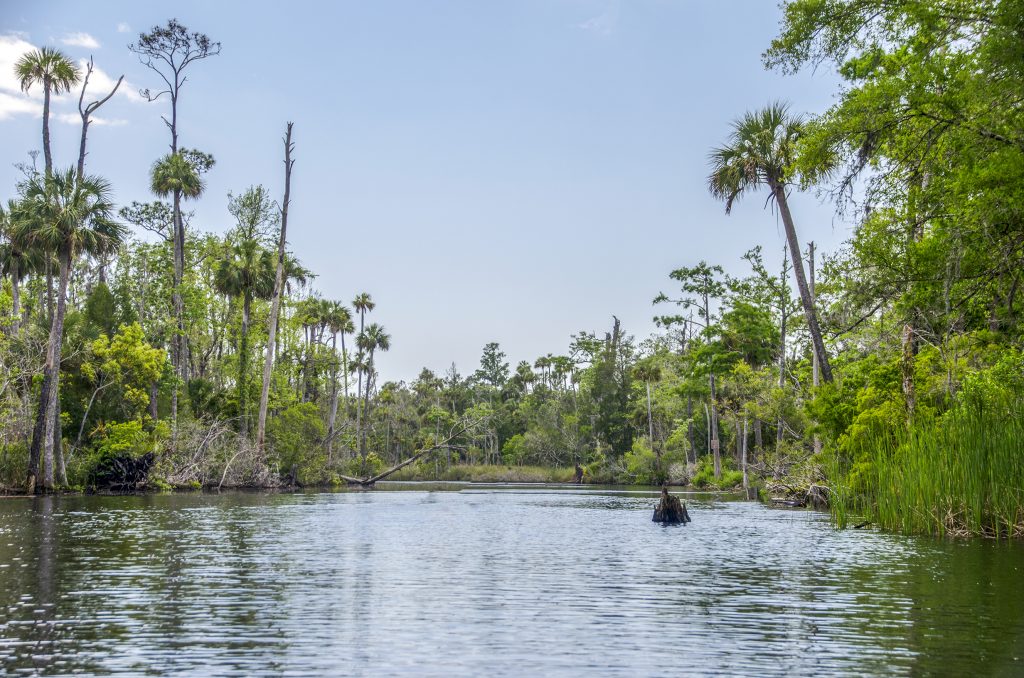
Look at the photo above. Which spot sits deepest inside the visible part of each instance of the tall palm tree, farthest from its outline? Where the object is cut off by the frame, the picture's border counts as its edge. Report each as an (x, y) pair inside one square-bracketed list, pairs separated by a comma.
[(339, 321), (56, 73), (69, 216), (247, 272), (760, 152), (373, 339), (173, 175), (363, 304)]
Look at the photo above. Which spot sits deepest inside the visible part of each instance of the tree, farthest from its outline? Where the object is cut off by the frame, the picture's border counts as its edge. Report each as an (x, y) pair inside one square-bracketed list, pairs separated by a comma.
[(371, 340), (648, 372), (279, 281), (761, 152), (339, 321), (362, 304), (168, 51), (179, 175), (69, 216), (493, 368), (86, 113), (701, 284), (17, 259), (247, 271), (57, 74)]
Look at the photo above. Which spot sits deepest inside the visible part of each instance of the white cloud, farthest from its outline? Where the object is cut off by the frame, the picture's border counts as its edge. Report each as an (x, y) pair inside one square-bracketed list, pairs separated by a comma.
[(124, 28), (80, 40), (11, 105), (603, 24), (76, 119), (12, 100)]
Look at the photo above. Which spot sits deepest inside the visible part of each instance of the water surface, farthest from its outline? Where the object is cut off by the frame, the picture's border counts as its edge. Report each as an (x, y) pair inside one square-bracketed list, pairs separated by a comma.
[(469, 580)]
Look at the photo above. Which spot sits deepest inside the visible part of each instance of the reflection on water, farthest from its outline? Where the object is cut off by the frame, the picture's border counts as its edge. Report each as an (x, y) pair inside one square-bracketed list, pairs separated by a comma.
[(460, 580)]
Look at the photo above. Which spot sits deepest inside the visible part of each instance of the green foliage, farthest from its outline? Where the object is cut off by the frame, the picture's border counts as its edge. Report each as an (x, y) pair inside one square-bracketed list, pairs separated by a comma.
[(295, 435)]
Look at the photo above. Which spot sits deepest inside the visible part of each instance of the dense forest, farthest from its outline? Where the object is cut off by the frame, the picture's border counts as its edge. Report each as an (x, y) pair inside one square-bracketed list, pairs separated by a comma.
[(885, 379)]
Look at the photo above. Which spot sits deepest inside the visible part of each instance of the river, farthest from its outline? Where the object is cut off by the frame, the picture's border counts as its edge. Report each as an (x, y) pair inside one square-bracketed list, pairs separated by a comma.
[(454, 580)]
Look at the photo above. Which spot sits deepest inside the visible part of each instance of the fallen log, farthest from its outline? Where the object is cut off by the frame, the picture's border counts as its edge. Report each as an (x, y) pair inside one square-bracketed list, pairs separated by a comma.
[(670, 510), (444, 444)]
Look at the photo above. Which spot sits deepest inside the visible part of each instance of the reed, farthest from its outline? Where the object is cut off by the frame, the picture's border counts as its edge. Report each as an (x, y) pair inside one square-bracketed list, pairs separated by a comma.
[(960, 474)]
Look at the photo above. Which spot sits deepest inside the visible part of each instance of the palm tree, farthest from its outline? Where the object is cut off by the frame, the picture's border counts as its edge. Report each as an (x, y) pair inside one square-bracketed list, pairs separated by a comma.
[(173, 175), (363, 304), (760, 152), (56, 73), (247, 272), (69, 216), (17, 259), (374, 338), (339, 321)]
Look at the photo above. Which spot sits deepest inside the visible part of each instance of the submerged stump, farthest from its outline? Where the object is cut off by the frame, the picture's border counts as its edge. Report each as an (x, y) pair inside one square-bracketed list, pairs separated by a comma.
[(670, 510)]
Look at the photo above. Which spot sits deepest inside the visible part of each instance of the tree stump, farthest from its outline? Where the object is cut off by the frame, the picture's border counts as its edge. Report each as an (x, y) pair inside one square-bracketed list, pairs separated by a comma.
[(670, 511)]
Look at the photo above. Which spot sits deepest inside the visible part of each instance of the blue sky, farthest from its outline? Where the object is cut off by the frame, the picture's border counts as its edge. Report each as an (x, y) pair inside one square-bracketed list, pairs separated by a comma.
[(512, 172)]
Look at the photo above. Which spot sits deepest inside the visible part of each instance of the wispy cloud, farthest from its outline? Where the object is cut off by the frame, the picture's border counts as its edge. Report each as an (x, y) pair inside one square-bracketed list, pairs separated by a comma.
[(124, 28), (80, 40), (76, 119), (11, 105), (603, 24)]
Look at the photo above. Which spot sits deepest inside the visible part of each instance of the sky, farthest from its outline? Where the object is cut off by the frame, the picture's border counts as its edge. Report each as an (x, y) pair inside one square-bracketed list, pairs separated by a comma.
[(488, 171)]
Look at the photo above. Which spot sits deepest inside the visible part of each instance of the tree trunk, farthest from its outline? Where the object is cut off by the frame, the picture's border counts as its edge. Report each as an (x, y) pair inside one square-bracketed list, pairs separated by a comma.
[(176, 343), (815, 368), (332, 414), (275, 304), (366, 408), (42, 437), (689, 427), (47, 158), (713, 433), (784, 316), (243, 366), (801, 282), (15, 299)]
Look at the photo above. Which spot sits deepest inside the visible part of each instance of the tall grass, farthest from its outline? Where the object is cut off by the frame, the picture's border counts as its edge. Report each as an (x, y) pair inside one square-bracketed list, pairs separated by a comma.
[(960, 474)]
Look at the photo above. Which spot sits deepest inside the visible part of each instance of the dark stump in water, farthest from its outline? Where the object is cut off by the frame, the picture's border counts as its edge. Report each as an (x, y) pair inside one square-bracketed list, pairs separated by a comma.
[(670, 510)]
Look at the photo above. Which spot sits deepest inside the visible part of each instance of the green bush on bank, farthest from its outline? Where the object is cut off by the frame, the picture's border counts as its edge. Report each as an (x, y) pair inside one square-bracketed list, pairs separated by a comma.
[(959, 473)]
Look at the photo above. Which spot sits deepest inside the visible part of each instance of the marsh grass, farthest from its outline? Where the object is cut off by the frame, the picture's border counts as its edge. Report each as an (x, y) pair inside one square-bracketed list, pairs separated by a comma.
[(958, 475)]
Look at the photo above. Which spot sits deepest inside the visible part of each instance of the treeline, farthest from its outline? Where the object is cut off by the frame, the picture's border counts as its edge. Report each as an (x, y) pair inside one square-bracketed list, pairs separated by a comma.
[(885, 379)]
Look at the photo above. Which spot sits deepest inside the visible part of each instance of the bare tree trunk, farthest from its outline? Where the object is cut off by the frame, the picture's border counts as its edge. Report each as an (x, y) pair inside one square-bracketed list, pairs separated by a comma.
[(784, 316), (176, 343), (332, 414), (15, 299), (801, 282), (275, 304), (815, 369), (243, 366)]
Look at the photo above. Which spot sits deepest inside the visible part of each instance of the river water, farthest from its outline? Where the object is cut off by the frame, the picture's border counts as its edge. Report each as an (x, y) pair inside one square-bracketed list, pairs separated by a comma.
[(468, 580)]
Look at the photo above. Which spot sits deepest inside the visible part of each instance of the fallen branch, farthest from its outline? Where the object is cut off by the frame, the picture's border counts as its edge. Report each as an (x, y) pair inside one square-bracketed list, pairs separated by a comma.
[(444, 444)]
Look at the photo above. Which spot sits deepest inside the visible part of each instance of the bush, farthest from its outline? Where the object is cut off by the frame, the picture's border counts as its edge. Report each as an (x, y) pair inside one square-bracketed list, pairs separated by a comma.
[(123, 455), (704, 474), (296, 437)]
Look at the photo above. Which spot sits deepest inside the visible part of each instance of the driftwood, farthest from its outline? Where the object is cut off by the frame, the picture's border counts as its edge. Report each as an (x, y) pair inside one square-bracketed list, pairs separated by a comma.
[(443, 445), (670, 510)]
